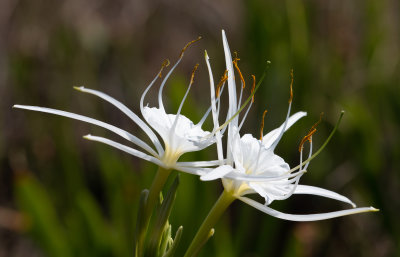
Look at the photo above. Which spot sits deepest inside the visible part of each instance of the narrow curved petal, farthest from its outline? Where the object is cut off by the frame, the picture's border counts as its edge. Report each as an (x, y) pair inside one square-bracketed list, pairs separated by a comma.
[(160, 101), (273, 135), (118, 131), (311, 190), (259, 178), (129, 113), (245, 115), (231, 81), (304, 217), (217, 173), (220, 151), (125, 148), (199, 163), (193, 171), (147, 90), (232, 109)]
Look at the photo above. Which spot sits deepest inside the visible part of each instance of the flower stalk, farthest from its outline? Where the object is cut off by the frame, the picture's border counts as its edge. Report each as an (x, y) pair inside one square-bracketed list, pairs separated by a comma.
[(149, 205), (213, 216)]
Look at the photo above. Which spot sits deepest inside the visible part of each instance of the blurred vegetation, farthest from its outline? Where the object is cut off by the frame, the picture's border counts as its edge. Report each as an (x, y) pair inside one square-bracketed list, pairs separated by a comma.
[(79, 198)]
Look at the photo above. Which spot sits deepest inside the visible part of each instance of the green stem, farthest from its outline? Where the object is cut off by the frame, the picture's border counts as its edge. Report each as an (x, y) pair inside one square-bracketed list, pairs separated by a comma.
[(155, 189), (152, 199), (215, 213)]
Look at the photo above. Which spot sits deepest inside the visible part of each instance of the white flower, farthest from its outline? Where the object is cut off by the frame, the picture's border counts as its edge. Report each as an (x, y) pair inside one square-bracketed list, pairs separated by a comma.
[(252, 167), (179, 134)]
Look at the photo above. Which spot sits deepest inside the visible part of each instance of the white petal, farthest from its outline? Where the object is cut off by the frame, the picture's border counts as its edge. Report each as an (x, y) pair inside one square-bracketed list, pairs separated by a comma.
[(245, 114), (231, 80), (232, 109), (125, 148), (160, 101), (118, 131), (310, 190), (258, 189), (217, 173), (259, 178), (273, 135), (129, 113), (147, 90), (306, 217), (186, 137), (250, 153), (220, 152), (200, 163), (193, 171)]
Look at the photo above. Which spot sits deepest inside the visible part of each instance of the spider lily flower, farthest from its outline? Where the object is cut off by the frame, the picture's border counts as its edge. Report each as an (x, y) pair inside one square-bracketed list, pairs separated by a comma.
[(179, 134), (252, 167)]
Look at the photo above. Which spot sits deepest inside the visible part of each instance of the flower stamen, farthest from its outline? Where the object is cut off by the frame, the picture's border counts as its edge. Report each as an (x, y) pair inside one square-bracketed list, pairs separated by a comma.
[(163, 65), (253, 87), (184, 98), (193, 72), (235, 63), (187, 45), (262, 125), (221, 82), (160, 101), (311, 132)]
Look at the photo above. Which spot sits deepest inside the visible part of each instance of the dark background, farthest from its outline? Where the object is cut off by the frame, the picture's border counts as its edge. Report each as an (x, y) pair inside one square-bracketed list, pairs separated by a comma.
[(61, 195)]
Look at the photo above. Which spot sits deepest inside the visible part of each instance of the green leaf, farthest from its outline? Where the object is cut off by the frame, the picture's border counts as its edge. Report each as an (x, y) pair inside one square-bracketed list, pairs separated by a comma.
[(177, 239), (165, 238), (45, 225), (162, 216), (94, 224), (139, 224)]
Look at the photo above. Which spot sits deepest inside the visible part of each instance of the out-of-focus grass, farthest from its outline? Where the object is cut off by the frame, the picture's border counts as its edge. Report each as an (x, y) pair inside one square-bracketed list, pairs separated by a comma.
[(81, 197)]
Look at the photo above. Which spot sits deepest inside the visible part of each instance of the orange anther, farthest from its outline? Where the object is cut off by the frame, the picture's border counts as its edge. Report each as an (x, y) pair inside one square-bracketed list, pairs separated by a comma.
[(221, 82), (235, 63), (193, 72), (291, 86), (163, 65), (253, 87), (308, 137), (187, 45), (262, 124)]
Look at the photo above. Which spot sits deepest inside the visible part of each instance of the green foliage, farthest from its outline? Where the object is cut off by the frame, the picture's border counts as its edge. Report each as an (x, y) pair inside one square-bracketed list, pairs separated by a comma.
[(42, 217)]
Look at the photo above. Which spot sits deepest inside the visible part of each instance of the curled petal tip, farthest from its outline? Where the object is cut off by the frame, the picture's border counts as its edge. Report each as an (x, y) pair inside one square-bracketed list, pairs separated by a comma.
[(88, 136), (19, 106), (79, 88), (373, 209)]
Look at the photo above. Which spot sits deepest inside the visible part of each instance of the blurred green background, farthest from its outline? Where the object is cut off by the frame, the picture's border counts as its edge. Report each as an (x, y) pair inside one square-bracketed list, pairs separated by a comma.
[(61, 195)]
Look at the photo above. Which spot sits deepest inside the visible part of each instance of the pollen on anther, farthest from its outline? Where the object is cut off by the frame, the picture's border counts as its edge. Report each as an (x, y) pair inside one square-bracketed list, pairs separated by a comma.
[(187, 45), (193, 72), (253, 87), (291, 86), (163, 65), (235, 63), (311, 132), (262, 125), (221, 82)]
